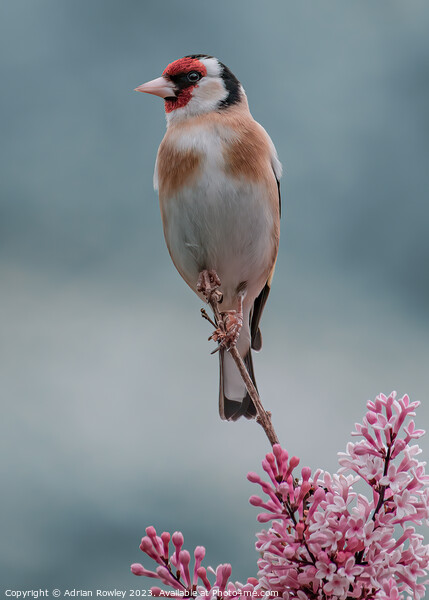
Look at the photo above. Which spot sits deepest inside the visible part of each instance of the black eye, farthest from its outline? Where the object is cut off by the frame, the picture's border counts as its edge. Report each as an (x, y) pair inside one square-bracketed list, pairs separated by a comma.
[(193, 76)]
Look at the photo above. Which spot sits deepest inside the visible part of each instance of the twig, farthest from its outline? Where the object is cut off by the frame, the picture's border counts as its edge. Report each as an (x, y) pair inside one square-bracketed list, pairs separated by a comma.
[(264, 417)]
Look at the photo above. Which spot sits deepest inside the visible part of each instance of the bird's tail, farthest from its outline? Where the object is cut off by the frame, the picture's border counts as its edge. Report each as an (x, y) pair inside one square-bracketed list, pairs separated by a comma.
[(234, 400)]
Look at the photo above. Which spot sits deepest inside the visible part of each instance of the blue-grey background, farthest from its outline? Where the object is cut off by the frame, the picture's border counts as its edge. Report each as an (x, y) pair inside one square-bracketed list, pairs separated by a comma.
[(109, 395)]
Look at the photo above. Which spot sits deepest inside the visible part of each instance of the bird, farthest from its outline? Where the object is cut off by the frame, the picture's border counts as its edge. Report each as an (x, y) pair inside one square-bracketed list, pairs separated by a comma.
[(217, 174)]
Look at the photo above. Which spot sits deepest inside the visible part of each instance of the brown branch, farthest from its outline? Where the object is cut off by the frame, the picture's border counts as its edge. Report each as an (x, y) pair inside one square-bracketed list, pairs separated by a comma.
[(264, 417)]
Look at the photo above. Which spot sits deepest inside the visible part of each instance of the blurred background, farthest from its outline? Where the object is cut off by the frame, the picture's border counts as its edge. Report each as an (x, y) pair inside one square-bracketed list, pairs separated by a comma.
[(109, 393)]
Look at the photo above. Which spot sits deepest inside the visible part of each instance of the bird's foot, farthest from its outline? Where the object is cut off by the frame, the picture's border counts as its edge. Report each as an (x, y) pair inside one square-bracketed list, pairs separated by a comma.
[(208, 284), (228, 330)]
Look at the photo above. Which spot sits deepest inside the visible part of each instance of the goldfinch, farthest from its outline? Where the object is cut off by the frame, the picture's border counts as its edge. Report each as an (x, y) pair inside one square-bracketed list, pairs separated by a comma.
[(217, 174)]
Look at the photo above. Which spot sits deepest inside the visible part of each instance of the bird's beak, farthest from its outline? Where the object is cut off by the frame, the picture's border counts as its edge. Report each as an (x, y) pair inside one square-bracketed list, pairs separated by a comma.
[(159, 87)]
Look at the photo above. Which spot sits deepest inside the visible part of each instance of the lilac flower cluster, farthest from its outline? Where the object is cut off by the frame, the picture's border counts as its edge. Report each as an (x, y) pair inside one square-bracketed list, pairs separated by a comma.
[(326, 541), (175, 572)]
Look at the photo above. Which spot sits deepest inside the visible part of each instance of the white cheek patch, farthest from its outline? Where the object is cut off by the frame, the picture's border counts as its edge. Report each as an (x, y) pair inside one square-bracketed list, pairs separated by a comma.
[(207, 95)]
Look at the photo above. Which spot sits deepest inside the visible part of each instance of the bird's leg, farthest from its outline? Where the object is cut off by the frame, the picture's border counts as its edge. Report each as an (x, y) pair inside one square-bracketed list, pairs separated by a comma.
[(230, 326), (208, 284)]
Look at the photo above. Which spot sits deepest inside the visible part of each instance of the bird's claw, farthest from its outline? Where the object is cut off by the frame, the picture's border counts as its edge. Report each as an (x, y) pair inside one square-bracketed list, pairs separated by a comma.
[(208, 284), (226, 334)]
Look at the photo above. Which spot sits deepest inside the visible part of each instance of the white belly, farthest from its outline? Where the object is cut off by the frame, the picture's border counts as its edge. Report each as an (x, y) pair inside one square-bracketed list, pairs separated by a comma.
[(224, 225)]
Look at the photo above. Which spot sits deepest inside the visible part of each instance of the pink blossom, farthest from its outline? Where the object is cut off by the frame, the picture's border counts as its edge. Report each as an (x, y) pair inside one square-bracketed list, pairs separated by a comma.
[(337, 585), (324, 541), (394, 479)]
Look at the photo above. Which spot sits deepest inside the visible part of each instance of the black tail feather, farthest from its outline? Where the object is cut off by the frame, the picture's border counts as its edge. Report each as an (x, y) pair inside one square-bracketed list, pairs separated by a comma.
[(231, 410)]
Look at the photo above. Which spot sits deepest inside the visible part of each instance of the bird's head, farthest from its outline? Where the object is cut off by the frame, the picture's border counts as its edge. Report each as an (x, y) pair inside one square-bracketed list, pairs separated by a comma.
[(194, 85)]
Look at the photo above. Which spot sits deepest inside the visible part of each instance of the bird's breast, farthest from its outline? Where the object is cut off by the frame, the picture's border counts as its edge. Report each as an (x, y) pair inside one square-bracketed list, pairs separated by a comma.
[(214, 215), (213, 147)]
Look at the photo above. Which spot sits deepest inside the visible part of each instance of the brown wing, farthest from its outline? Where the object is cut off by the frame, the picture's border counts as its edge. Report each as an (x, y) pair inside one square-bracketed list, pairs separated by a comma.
[(259, 304)]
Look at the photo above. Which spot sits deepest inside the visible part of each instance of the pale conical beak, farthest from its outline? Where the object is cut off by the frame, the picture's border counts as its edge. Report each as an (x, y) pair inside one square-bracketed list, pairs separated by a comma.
[(159, 87)]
